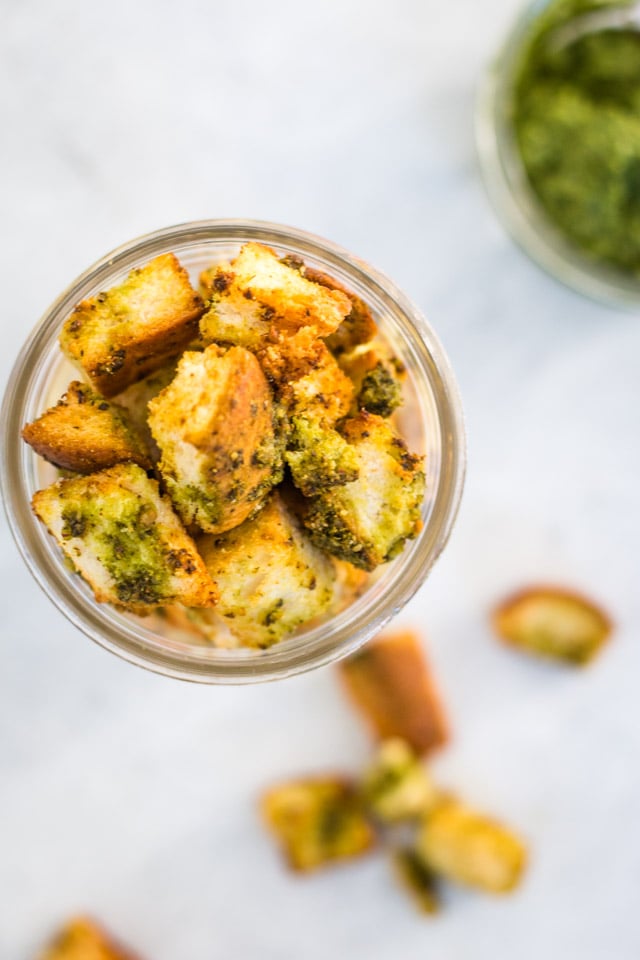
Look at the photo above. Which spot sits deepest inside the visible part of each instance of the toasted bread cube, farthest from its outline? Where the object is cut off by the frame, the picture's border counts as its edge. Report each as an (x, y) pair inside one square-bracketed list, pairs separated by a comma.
[(270, 576), (396, 786), (317, 821), (471, 849), (215, 425), (201, 623), (554, 623), (377, 378), (357, 327), (368, 521), (307, 378), (135, 399), (124, 539), (417, 879), (122, 335), (256, 292), (391, 683), (84, 432), (319, 457), (82, 939)]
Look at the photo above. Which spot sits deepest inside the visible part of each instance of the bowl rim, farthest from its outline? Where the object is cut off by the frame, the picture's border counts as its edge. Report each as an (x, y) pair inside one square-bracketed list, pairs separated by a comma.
[(311, 649)]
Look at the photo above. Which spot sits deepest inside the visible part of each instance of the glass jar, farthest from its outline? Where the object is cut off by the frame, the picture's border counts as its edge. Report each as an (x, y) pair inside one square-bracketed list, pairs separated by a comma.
[(431, 420), (508, 186)]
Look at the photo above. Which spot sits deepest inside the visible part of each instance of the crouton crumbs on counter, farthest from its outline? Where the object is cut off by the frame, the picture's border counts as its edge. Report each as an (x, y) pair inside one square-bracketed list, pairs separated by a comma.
[(391, 684), (317, 821), (246, 424), (83, 939), (553, 623)]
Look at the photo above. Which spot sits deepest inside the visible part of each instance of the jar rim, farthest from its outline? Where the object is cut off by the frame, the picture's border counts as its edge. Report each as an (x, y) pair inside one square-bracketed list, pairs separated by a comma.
[(508, 188), (311, 648)]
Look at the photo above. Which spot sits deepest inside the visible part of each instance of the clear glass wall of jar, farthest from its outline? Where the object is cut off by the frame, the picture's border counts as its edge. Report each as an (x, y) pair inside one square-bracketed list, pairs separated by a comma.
[(431, 419)]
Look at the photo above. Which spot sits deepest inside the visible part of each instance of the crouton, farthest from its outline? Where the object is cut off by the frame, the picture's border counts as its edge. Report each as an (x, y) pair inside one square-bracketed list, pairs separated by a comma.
[(82, 939), (397, 786), (471, 849), (203, 623), (307, 378), (215, 425), (417, 879), (368, 521), (377, 378), (84, 432), (319, 457), (270, 576), (317, 821), (392, 686), (135, 399), (553, 623), (256, 293), (357, 327), (124, 539), (122, 335)]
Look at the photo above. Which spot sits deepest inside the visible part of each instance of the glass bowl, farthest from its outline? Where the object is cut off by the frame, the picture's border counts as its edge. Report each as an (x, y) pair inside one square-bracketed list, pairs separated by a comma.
[(508, 186), (431, 421)]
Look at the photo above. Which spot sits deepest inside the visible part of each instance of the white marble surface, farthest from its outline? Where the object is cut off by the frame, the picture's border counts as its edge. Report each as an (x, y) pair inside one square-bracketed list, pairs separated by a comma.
[(132, 796)]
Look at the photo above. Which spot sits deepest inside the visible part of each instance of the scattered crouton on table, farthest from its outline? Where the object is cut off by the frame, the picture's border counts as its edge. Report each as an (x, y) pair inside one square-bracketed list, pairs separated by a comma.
[(317, 821), (391, 684), (397, 786), (554, 623), (83, 939)]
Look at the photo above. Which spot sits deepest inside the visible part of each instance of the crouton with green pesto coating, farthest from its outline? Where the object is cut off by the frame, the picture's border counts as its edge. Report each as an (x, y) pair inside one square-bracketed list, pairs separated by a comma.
[(471, 849), (376, 376), (84, 432), (357, 327), (397, 786), (368, 521), (319, 457), (270, 576), (392, 685), (257, 293), (317, 821), (417, 879), (83, 939), (215, 425), (553, 623), (120, 336), (124, 539)]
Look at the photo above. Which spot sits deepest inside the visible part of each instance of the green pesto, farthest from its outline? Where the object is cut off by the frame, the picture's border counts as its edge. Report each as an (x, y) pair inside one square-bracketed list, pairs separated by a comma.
[(194, 502), (577, 123), (381, 391), (318, 457), (121, 532)]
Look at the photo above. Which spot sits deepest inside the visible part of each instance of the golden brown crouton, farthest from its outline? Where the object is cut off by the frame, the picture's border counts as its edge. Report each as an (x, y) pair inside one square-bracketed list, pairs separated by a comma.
[(135, 399), (215, 425), (82, 939), (368, 521), (122, 335), (124, 539), (319, 457), (470, 848), (84, 432), (376, 376), (317, 821), (552, 622), (391, 684), (257, 293), (397, 786), (270, 576), (357, 327), (417, 879)]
